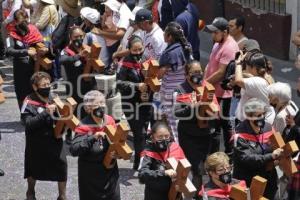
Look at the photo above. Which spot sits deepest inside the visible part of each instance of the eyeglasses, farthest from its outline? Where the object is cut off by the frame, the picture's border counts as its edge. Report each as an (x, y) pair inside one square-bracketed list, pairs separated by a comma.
[(163, 137)]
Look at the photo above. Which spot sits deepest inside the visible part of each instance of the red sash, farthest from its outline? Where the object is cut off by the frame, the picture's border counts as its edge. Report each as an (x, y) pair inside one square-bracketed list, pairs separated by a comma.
[(32, 37), (90, 129), (221, 193), (69, 51), (174, 151), (261, 138), (34, 103), (131, 65)]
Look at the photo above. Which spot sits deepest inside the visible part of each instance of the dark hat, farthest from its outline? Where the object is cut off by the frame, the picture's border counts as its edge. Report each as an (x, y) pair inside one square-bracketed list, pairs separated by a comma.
[(143, 15), (219, 24)]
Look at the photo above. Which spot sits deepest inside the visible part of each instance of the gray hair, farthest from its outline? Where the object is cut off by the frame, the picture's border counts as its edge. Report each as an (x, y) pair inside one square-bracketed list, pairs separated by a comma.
[(254, 105), (280, 90), (90, 98)]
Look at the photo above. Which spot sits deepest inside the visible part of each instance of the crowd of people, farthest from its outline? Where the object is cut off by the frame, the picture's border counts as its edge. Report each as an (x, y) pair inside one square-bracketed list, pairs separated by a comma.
[(175, 121)]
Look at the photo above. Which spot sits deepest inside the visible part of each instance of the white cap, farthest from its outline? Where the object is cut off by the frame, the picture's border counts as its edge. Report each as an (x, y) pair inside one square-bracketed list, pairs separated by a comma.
[(90, 14), (114, 5), (134, 11)]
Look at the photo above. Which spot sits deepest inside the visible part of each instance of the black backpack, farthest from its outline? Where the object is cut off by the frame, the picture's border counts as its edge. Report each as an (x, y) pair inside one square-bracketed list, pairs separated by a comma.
[(230, 70)]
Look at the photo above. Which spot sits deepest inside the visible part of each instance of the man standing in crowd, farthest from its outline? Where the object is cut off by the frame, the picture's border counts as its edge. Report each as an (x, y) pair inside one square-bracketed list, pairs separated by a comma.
[(236, 30), (223, 52)]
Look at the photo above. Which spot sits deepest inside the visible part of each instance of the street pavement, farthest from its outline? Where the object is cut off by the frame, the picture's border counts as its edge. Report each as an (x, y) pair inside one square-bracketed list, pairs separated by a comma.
[(12, 145)]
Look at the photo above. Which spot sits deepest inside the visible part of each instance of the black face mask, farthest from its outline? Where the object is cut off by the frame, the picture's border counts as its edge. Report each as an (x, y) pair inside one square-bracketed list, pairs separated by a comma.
[(78, 43), (44, 92), (22, 29), (99, 112), (260, 122), (162, 145), (196, 79), (137, 57), (225, 178)]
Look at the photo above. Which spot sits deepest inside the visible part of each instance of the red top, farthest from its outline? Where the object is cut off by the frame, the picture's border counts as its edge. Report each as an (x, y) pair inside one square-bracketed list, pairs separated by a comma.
[(32, 37)]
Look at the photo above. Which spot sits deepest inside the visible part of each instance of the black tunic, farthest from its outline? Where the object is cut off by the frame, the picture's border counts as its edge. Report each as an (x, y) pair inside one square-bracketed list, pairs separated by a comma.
[(23, 68), (95, 181), (251, 158), (74, 65), (45, 157), (196, 142)]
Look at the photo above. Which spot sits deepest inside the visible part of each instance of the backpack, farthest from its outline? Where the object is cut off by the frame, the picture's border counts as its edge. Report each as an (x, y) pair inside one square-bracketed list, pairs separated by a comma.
[(230, 70)]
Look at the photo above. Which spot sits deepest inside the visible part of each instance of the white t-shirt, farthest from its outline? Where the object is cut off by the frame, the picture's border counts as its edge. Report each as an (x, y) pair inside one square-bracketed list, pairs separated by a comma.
[(97, 38), (279, 122), (130, 32), (16, 5), (255, 87), (154, 43), (125, 14)]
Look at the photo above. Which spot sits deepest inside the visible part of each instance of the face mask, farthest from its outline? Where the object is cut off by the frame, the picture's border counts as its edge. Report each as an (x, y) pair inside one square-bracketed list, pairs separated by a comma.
[(225, 178), (78, 43), (162, 145), (22, 29), (99, 112), (137, 57), (259, 122), (196, 79), (44, 92)]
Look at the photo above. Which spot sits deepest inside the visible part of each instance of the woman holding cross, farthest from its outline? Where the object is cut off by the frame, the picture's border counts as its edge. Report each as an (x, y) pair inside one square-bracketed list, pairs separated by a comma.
[(95, 181)]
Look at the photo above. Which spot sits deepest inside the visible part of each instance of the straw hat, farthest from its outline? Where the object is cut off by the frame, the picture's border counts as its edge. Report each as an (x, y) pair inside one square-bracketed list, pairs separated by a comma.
[(51, 2), (70, 6)]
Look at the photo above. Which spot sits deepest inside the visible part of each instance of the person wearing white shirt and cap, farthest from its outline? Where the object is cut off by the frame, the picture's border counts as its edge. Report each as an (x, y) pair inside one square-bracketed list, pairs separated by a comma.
[(91, 18)]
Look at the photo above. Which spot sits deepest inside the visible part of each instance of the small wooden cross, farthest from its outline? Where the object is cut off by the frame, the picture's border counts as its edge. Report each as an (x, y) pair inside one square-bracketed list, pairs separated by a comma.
[(206, 96), (40, 60), (150, 70), (93, 62), (256, 191), (66, 114), (286, 163), (182, 184), (117, 139), (2, 97)]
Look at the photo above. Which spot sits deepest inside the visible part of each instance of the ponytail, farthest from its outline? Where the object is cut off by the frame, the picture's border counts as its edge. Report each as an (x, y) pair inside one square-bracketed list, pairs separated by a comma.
[(175, 30)]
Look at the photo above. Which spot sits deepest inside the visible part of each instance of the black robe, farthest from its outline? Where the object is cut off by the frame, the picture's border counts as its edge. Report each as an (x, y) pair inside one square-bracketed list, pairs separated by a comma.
[(94, 180), (74, 65), (196, 142), (45, 156)]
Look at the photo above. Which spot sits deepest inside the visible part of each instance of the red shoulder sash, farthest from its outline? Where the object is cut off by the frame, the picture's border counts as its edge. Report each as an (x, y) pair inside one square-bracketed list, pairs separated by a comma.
[(131, 65), (84, 129), (174, 151), (262, 138), (34, 36)]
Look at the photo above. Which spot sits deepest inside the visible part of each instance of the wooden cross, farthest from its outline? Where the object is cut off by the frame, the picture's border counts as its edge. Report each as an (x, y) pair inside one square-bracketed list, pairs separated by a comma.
[(93, 62), (205, 95), (150, 70), (256, 191), (40, 59), (117, 139), (182, 184), (286, 163), (66, 114), (2, 97)]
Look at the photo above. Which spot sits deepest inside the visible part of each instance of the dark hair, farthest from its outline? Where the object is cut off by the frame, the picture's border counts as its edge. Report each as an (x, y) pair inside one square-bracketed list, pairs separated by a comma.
[(189, 65), (37, 76), (133, 39), (20, 15), (175, 30), (158, 125), (240, 21), (72, 30), (260, 62)]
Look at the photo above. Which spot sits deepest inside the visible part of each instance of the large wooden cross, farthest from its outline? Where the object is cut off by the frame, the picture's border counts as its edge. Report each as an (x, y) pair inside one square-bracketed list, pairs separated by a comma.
[(182, 184), (255, 192), (2, 97), (41, 61), (150, 70), (67, 118), (205, 95), (117, 139), (286, 163), (93, 62)]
